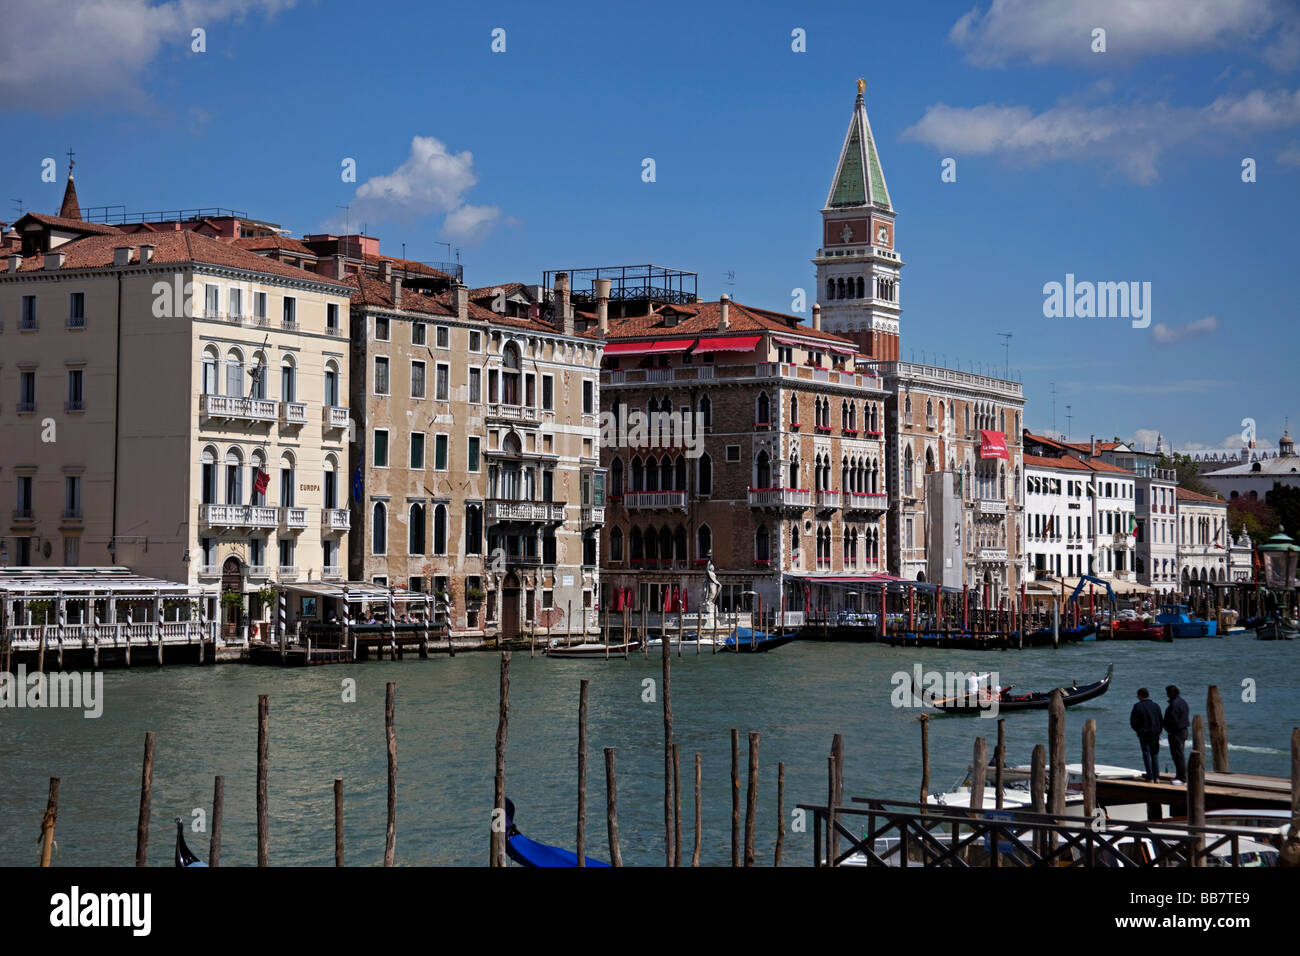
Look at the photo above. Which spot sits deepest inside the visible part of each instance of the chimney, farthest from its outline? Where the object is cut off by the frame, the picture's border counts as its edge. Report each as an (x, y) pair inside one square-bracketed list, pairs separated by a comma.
[(817, 317), (340, 270), (122, 256), (396, 284), (15, 262), (724, 313), (602, 305), (146, 253), (563, 308), (54, 260), (460, 299), (385, 270)]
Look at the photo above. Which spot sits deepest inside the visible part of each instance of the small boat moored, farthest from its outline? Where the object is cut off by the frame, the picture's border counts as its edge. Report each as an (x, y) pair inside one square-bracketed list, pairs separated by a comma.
[(747, 640), (1181, 623), (558, 650), (968, 704)]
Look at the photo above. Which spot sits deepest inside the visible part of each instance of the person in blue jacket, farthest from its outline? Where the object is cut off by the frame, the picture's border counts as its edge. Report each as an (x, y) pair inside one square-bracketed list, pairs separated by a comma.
[(1146, 722)]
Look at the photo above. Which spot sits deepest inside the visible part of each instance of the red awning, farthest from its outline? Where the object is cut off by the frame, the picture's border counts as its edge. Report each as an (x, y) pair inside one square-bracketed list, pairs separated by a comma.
[(733, 343), (646, 348), (993, 445)]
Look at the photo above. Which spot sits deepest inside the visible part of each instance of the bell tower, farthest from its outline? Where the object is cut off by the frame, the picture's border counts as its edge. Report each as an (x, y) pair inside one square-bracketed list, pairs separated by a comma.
[(858, 264)]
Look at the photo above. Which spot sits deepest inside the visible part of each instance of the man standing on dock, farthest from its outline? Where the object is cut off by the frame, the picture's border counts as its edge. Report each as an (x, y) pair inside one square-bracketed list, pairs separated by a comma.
[(1146, 722), (1177, 719)]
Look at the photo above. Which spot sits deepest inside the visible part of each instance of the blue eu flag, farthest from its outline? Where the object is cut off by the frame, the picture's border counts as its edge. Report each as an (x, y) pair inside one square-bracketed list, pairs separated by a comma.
[(357, 486)]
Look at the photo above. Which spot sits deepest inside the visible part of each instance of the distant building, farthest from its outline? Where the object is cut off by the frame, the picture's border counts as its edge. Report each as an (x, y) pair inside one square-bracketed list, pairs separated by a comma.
[(1202, 539), (1254, 479)]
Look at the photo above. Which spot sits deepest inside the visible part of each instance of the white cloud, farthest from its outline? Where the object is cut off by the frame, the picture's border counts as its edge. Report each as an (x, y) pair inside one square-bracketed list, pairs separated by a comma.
[(431, 181), (1168, 335), (1130, 137), (1061, 31), (57, 54), (1144, 439)]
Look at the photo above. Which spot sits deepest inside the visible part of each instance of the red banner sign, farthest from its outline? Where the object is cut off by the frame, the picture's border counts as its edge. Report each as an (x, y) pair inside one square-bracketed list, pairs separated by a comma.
[(993, 445)]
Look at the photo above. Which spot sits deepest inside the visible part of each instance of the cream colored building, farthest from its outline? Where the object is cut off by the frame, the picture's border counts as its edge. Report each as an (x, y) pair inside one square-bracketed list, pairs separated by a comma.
[(478, 455), (145, 380)]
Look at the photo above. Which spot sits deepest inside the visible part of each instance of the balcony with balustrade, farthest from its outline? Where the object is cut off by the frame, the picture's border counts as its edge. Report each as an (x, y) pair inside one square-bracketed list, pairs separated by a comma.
[(238, 516), (991, 555), (868, 502), (232, 408), (786, 499), (293, 519), (592, 516), (332, 572), (991, 507), (826, 500), (513, 414), (334, 417), (509, 509), (335, 520), (654, 500), (293, 414), (259, 572), (288, 572)]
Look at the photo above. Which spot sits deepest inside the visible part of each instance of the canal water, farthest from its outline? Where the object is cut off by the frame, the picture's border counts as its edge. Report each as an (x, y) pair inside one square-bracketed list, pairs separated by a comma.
[(798, 697)]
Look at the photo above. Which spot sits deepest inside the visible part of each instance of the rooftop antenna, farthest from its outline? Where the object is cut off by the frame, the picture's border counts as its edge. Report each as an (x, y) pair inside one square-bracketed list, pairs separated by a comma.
[(1006, 349), (1069, 421), (19, 204), (1053, 408)]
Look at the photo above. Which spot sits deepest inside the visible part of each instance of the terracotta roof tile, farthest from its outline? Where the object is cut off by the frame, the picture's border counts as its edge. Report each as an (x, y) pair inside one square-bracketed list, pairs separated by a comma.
[(376, 292), (1185, 494), (171, 248), (61, 222), (256, 243), (702, 317)]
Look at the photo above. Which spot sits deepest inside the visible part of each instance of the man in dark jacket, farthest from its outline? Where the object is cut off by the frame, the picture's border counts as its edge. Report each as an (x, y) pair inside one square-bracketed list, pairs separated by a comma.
[(1177, 719), (1145, 721)]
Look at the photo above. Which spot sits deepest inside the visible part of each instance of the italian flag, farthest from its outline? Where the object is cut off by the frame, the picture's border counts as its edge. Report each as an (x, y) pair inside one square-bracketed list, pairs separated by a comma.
[(1132, 525)]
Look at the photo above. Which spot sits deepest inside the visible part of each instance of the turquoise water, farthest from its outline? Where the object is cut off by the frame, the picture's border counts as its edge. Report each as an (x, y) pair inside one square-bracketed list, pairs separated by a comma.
[(798, 697)]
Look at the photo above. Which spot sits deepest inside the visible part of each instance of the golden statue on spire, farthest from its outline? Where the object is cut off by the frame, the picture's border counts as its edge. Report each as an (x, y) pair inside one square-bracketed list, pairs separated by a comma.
[(862, 86)]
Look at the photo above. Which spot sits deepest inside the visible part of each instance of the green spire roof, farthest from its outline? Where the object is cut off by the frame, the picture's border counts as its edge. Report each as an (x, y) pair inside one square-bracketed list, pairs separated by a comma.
[(859, 178)]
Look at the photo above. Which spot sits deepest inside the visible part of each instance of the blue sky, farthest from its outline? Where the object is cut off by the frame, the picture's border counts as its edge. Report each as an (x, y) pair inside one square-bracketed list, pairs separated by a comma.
[(1123, 165)]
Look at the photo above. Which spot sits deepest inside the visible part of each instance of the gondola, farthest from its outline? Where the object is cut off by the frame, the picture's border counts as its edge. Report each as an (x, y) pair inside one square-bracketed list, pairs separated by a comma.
[(746, 640), (528, 852), (1069, 696), (591, 649), (184, 857)]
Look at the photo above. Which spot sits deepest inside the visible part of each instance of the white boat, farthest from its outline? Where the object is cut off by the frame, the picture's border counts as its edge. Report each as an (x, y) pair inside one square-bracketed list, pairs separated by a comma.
[(591, 649), (689, 640)]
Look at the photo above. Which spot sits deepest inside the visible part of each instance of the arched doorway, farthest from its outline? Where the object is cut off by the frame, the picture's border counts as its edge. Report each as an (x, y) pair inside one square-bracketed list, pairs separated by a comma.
[(232, 613), (510, 608)]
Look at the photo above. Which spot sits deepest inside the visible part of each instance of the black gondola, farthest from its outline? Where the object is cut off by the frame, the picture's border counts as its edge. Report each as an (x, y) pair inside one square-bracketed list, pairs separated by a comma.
[(183, 855), (1069, 695)]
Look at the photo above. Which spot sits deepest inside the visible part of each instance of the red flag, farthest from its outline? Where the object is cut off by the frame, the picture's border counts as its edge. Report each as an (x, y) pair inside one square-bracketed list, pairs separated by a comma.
[(261, 481), (629, 600), (668, 599), (684, 601), (993, 445)]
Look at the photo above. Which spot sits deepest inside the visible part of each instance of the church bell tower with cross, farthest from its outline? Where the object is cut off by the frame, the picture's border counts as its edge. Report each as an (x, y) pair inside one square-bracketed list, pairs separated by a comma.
[(858, 264)]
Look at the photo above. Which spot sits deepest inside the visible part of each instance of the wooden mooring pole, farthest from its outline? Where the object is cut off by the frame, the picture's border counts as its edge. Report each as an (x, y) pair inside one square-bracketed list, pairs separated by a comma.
[(390, 737), (1000, 761), (1089, 769), (263, 750), (677, 804), (48, 821), (925, 757), (699, 816), (498, 839), (338, 821), (979, 772), (218, 811), (1056, 737), (669, 844), (1196, 802), (1038, 788), (611, 808), (751, 798), (146, 802), (1218, 730), (837, 794), (582, 772), (735, 797), (780, 813), (1291, 846), (1198, 734)]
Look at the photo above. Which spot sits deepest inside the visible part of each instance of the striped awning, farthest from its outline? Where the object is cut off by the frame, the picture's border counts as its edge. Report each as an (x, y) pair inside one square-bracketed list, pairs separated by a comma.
[(648, 348), (731, 343)]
